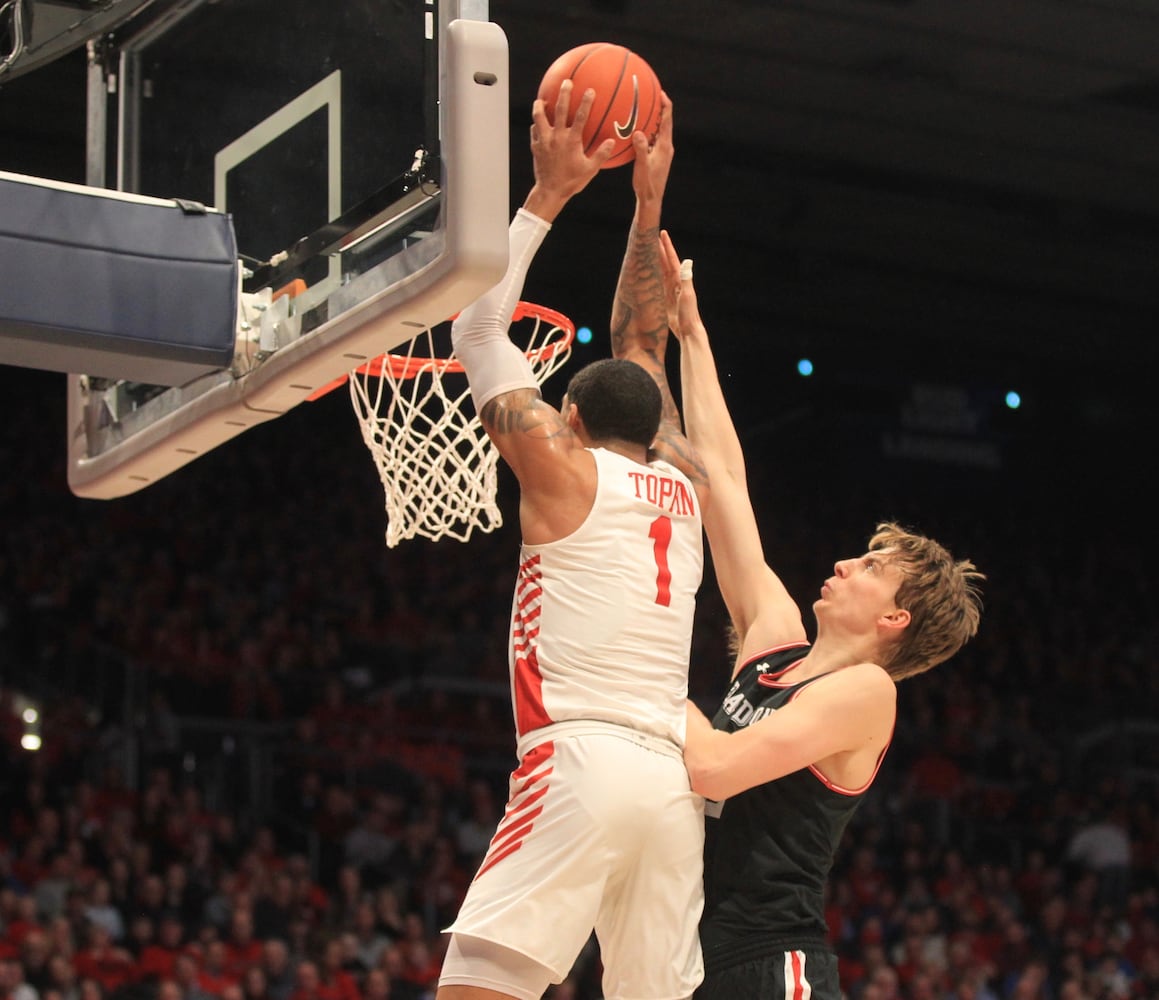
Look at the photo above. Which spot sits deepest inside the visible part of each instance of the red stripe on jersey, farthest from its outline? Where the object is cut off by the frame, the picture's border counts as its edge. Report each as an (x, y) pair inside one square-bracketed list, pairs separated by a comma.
[(519, 819), (492, 862), (528, 579), (533, 780), (515, 814), (517, 834), (529, 711), (527, 681), (541, 754), (528, 638)]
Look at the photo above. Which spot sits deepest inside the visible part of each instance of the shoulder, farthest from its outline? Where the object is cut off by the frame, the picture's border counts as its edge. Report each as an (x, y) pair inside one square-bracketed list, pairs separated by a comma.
[(685, 481), (677, 454), (666, 465), (772, 659), (864, 683)]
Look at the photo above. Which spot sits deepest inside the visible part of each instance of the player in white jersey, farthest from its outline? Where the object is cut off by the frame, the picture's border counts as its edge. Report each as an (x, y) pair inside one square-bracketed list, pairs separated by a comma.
[(601, 619), (601, 830)]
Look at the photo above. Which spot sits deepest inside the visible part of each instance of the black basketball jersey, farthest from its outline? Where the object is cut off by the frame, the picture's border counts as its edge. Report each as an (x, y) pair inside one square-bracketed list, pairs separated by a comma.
[(768, 850)]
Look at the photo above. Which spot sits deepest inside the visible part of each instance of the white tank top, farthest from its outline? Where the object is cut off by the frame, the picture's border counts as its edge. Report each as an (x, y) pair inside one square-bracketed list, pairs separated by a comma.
[(601, 622)]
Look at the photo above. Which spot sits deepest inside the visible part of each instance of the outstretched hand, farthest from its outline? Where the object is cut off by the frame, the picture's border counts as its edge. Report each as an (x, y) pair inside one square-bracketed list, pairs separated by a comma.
[(679, 292), (653, 156), (562, 168)]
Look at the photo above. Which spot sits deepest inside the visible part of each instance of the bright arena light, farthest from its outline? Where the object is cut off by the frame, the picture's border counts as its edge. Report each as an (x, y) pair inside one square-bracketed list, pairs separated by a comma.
[(30, 741), (584, 334), (805, 367), (30, 715), (1013, 400)]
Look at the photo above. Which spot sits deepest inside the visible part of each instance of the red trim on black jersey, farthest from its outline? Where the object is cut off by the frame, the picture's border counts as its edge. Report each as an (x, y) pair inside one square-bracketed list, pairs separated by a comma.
[(768, 679), (772, 651)]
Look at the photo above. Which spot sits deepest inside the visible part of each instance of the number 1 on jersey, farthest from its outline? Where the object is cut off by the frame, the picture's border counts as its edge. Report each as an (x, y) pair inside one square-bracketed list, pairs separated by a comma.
[(661, 534)]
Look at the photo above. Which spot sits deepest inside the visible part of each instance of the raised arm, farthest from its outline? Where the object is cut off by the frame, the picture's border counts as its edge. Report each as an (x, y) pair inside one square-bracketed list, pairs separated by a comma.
[(762, 612), (639, 313), (530, 434)]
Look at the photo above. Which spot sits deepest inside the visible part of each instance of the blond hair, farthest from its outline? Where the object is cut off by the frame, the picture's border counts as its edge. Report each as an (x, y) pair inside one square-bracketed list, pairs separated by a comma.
[(940, 593)]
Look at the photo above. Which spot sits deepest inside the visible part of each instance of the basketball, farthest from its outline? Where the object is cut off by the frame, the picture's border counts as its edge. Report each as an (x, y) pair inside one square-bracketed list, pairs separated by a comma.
[(627, 95)]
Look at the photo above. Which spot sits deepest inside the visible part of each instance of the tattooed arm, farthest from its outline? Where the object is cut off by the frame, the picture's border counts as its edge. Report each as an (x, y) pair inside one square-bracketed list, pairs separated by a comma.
[(639, 312)]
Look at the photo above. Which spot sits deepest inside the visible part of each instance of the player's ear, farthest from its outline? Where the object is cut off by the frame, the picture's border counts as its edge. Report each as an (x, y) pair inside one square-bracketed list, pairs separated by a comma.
[(895, 620), (570, 413)]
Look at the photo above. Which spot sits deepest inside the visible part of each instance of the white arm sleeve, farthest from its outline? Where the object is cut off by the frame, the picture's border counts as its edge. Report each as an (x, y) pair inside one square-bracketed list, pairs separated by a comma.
[(494, 365)]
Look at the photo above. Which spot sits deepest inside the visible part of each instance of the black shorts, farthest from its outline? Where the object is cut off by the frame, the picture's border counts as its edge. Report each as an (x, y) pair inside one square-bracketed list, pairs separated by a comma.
[(782, 975)]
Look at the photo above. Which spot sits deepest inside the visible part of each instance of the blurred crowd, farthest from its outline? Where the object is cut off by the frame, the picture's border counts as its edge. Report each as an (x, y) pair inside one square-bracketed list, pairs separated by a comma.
[(272, 751)]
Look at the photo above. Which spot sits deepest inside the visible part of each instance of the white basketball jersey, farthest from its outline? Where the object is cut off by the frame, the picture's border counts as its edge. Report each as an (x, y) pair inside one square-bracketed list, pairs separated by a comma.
[(601, 624)]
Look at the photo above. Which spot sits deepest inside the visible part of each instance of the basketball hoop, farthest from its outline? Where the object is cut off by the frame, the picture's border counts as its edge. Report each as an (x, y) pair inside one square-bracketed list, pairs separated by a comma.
[(436, 463)]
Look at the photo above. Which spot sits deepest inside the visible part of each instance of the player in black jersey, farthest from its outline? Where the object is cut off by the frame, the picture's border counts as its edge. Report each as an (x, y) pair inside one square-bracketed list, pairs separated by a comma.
[(803, 727)]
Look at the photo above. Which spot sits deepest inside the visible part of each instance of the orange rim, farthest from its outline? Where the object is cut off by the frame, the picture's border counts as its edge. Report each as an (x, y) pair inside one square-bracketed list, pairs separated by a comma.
[(402, 367)]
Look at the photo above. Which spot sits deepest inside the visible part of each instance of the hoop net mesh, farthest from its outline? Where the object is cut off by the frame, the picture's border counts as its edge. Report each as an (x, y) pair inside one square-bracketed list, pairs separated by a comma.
[(437, 465)]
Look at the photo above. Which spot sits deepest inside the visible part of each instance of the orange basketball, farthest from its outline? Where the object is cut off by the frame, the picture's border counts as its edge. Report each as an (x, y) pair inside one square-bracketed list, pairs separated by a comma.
[(627, 95)]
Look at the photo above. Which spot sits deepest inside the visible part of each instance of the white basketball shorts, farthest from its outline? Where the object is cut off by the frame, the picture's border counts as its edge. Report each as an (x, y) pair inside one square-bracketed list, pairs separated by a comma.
[(601, 831)]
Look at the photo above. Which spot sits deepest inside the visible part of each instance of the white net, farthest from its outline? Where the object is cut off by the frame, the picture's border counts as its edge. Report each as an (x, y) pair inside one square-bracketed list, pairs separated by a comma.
[(436, 463)]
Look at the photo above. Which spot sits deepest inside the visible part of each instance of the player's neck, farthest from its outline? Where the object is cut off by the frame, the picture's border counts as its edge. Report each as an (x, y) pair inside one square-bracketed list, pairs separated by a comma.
[(830, 653), (635, 452)]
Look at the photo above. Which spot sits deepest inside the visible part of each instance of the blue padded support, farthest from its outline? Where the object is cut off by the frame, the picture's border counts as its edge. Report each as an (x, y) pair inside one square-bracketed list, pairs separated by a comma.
[(120, 287)]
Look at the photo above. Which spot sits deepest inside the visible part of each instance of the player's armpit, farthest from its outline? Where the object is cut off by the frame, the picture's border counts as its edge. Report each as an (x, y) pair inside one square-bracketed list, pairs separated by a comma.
[(835, 714)]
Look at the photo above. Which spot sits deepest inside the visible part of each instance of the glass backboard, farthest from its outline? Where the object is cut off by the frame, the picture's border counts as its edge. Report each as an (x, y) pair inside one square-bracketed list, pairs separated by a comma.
[(360, 149)]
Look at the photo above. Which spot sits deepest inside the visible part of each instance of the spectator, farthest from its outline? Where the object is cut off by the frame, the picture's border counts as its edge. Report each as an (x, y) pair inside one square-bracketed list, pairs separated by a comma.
[(181, 895), (62, 979), (187, 976), (377, 986), (103, 961), (473, 833), (420, 962), (149, 900), (99, 909), (368, 846), (62, 940), (443, 884), (242, 948), (348, 895), (274, 907), (216, 974), (336, 983), (307, 983), (53, 888), (12, 983), (367, 939), (35, 955), (254, 985), (279, 971), (1103, 846), (388, 913), (158, 959), (219, 907)]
